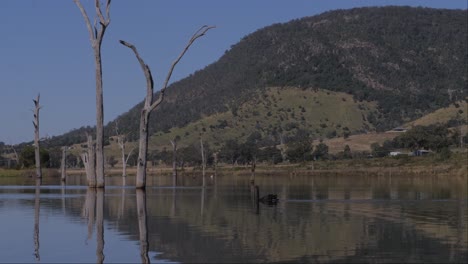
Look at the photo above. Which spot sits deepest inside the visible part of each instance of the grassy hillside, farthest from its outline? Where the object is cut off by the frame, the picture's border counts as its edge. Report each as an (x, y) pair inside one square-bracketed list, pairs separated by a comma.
[(273, 112), (457, 112)]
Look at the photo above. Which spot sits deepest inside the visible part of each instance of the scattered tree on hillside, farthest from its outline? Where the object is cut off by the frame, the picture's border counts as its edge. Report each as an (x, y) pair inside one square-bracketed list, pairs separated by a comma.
[(149, 105), (347, 152), (96, 35), (379, 151), (433, 137), (27, 157), (321, 151), (299, 147)]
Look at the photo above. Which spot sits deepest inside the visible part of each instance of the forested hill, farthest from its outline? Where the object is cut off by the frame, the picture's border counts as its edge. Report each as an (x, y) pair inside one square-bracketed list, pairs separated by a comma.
[(411, 61)]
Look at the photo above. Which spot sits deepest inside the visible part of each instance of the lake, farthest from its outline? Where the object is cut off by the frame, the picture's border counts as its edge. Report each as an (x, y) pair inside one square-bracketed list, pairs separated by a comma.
[(319, 218)]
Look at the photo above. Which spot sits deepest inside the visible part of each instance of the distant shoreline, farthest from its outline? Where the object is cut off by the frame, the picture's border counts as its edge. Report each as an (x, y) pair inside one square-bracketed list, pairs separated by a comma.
[(456, 165)]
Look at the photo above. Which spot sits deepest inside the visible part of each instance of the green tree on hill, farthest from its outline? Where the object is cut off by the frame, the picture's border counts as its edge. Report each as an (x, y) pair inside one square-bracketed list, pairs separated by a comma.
[(27, 157)]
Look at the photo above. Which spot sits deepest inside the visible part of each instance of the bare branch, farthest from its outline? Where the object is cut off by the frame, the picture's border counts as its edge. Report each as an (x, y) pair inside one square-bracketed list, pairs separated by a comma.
[(87, 21), (199, 33), (108, 11), (99, 12), (145, 68), (129, 154)]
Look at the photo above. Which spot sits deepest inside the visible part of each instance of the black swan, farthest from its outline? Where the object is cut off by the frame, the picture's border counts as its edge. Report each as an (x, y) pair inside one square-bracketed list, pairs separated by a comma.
[(270, 199)]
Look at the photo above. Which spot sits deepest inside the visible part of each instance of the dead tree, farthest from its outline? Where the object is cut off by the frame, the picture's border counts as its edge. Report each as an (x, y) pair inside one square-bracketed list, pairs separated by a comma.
[(203, 162), (96, 34), (37, 107), (15, 155), (88, 158), (149, 105), (121, 140), (64, 163), (174, 161)]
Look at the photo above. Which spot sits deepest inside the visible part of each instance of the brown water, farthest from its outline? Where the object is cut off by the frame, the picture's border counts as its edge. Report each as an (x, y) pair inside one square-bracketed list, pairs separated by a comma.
[(319, 218)]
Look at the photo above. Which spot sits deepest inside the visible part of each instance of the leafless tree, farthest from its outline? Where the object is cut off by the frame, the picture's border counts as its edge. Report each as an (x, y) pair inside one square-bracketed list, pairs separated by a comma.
[(96, 34), (149, 105), (37, 107), (121, 140), (15, 155), (174, 161), (63, 165), (203, 162), (89, 161)]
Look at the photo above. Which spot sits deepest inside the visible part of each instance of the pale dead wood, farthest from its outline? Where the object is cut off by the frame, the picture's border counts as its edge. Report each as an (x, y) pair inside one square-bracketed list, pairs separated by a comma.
[(203, 161), (174, 162), (63, 165), (37, 154), (121, 140), (96, 37), (149, 105), (88, 159)]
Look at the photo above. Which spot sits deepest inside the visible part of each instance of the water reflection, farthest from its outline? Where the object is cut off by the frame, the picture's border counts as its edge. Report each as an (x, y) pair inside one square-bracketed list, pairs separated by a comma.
[(320, 218), (100, 225), (93, 211), (142, 225), (37, 208)]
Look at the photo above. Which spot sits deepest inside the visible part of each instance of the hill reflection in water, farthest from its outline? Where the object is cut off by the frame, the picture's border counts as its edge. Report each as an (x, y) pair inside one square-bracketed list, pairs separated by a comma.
[(320, 218)]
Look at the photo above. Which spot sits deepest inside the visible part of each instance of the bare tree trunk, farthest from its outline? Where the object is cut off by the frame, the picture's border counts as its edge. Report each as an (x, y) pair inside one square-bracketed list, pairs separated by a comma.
[(142, 225), (149, 105), (88, 161), (121, 140), (203, 162), (124, 161), (215, 156), (252, 170), (64, 163), (15, 154), (37, 153), (96, 37), (174, 162)]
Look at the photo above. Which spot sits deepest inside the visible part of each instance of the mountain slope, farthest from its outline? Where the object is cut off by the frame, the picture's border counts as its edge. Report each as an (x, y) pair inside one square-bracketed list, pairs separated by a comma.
[(407, 61), (404, 58)]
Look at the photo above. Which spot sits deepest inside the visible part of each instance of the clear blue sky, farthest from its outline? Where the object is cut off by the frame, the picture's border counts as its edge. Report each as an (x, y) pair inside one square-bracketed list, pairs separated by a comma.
[(45, 49)]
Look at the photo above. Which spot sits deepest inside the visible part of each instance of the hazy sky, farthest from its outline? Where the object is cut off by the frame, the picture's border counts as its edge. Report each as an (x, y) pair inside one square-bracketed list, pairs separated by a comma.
[(44, 48)]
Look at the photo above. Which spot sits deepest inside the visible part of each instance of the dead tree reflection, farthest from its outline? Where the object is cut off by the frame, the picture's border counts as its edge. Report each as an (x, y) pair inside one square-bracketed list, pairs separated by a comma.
[(89, 210), (93, 211), (142, 225), (100, 225), (37, 206)]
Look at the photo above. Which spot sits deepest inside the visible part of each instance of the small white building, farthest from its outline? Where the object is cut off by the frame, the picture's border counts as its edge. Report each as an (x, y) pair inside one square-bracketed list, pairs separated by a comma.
[(395, 153)]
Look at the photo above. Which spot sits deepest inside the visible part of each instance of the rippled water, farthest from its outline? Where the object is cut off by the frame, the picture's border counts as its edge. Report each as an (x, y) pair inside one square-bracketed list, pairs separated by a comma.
[(320, 218)]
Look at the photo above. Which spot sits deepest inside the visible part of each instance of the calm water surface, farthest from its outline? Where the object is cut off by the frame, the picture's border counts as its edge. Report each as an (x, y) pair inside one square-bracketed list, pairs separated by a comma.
[(320, 218)]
